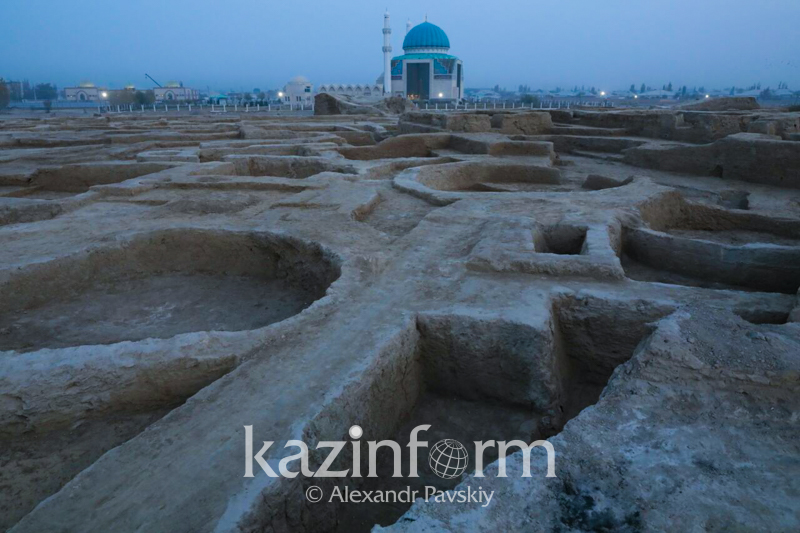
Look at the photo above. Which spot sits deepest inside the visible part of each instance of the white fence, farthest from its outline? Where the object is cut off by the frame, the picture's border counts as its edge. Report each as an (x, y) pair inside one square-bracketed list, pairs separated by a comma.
[(258, 108), (552, 104), (213, 108)]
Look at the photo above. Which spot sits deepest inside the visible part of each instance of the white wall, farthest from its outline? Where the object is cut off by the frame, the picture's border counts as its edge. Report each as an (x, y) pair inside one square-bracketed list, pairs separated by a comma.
[(298, 94), (91, 94)]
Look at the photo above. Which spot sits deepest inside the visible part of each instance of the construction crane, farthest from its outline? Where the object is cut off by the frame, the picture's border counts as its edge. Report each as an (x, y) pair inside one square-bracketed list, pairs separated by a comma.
[(151, 79)]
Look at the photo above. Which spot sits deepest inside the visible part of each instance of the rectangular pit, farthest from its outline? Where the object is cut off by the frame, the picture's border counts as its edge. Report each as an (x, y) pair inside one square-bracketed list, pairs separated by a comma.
[(472, 379), (560, 240), (702, 262)]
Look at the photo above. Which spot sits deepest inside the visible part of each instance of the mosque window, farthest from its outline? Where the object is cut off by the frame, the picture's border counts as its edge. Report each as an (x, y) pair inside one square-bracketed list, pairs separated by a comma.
[(397, 68)]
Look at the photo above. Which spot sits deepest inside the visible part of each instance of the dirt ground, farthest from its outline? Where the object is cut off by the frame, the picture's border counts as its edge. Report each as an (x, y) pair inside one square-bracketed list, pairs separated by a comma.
[(166, 281)]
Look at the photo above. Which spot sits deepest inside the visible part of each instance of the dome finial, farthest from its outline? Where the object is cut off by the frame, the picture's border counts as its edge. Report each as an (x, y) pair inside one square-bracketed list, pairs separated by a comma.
[(426, 17)]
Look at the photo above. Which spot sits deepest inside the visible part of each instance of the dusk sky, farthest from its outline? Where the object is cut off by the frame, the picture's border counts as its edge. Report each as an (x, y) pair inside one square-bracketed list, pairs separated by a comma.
[(243, 44)]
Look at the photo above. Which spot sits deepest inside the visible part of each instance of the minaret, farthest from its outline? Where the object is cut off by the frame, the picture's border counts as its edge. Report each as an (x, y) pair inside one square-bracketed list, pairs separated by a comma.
[(408, 26), (387, 55)]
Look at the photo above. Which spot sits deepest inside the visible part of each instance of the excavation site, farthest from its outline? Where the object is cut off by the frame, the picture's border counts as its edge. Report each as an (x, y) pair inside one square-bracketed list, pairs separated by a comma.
[(190, 299)]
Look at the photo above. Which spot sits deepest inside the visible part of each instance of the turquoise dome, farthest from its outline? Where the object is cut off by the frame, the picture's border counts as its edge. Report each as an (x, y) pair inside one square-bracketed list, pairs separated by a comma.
[(426, 35)]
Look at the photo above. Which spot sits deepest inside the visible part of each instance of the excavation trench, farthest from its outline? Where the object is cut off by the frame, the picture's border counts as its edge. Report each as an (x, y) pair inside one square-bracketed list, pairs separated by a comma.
[(406, 146), (59, 182), (54, 424), (704, 246), (306, 150), (472, 379), (285, 166), (489, 177), (159, 285)]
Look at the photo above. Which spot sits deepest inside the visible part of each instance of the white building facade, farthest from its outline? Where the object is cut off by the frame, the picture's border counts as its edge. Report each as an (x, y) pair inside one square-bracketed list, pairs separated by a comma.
[(298, 93), (176, 92), (86, 92), (367, 90), (172, 92)]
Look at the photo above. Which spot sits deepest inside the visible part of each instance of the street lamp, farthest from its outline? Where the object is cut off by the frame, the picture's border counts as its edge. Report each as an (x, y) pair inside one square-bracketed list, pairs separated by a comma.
[(636, 96), (708, 96), (280, 95), (602, 93), (104, 94), (441, 95)]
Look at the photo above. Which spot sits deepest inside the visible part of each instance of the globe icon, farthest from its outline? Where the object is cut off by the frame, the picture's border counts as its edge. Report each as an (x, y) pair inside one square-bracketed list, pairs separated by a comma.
[(448, 459)]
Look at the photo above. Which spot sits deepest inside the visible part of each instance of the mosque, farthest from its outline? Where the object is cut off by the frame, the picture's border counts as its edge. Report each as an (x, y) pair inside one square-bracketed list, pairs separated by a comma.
[(425, 71)]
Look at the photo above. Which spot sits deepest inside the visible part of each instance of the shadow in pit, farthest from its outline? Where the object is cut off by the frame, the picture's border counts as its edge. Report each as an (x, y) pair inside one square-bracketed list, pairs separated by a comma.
[(472, 379)]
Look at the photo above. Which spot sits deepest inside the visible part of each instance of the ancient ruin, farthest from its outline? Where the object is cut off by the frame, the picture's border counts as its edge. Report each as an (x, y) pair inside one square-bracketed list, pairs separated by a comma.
[(622, 283)]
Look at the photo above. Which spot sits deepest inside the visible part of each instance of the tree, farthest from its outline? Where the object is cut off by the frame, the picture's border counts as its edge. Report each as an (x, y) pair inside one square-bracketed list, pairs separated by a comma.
[(633, 88), (5, 96), (643, 88), (48, 105), (669, 87), (144, 98), (529, 99), (248, 97), (124, 97), (46, 91)]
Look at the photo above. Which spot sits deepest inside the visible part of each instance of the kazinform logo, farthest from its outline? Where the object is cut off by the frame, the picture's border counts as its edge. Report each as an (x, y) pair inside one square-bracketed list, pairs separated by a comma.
[(448, 458)]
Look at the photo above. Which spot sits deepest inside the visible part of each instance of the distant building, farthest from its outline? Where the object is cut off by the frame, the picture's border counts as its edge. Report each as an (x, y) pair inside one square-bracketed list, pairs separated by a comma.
[(659, 93), (298, 92), (88, 92), (565, 94), (366, 89), (784, 94), (484, 95), (17, 89), (175, 92), (218, 98), (85, 92)]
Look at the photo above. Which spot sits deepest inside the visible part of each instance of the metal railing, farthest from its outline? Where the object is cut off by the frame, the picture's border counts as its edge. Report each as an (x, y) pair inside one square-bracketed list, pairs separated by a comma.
[(201, 108), (551, 104)]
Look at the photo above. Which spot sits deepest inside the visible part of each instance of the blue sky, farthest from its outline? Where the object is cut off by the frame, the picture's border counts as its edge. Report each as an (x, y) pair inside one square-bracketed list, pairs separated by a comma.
[(242, 44)]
